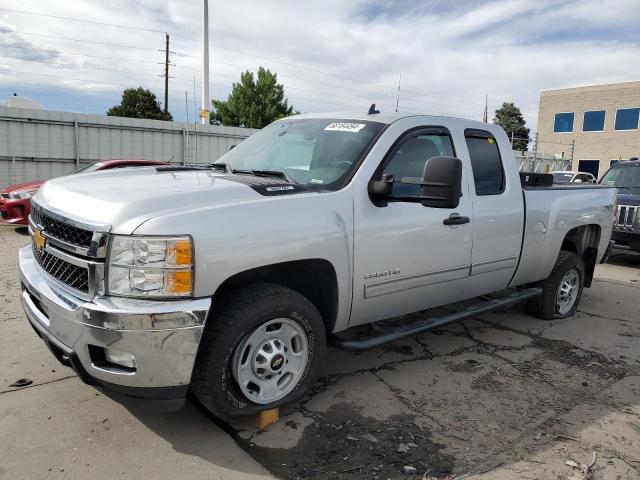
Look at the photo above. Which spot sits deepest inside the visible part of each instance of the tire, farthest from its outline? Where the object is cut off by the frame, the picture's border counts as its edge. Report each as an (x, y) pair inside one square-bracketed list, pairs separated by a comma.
[(229, 341), (549, 306)]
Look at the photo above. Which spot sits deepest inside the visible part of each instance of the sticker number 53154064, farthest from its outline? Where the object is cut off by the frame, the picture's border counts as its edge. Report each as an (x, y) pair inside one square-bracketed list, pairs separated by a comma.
[(345, 127)]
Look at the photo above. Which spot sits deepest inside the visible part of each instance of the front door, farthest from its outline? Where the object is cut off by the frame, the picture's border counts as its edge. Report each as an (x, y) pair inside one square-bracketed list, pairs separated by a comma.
[(405, 258)]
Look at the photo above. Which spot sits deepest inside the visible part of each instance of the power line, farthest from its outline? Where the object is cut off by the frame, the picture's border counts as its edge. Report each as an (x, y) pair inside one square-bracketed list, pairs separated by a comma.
[(12, 10), (360, 82), (322, 94), (120, 59), (88, 41), (81, 66)]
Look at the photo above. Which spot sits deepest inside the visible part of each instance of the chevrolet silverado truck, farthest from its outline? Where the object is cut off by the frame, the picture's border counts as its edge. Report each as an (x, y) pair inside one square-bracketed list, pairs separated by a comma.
[(229, 280)]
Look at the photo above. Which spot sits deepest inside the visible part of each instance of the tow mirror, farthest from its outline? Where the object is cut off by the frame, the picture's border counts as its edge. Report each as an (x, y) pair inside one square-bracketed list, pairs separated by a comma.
[(382, 187), (441, 182)]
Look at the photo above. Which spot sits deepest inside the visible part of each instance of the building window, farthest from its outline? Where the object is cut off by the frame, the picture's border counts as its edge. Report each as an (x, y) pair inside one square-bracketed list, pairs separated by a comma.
[(486, 163), (563, 123), (612, 163), (593, 121), (589, 166), (627, 118)]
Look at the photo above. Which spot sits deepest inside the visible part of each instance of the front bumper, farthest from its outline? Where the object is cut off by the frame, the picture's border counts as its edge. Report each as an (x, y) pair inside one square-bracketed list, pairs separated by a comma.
[(628, 240), (162, 335), (15, 211)]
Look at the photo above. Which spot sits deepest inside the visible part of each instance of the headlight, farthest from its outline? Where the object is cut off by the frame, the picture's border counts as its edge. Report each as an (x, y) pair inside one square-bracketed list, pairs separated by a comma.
[(150, 266), (23, 194)]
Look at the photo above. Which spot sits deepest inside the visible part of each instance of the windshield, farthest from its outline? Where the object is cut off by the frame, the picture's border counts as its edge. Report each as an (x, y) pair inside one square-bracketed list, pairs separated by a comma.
[(562, 177), (317, 152), (626, 178), (92, 167)]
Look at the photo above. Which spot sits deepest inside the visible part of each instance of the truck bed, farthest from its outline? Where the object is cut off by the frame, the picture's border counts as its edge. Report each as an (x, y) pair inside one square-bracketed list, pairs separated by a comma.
[(551, 212)]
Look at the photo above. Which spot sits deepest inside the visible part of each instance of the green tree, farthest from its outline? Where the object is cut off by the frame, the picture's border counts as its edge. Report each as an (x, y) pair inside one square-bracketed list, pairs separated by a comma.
[(139, 103), (510, 118), (252, 103)]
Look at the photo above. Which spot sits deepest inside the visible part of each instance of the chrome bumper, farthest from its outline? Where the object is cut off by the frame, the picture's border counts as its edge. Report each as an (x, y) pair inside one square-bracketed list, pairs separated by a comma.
[(162, 335)]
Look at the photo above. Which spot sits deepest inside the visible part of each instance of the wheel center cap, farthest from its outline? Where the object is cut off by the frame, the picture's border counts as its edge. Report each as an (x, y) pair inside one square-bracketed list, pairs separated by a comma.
[(277, 362)]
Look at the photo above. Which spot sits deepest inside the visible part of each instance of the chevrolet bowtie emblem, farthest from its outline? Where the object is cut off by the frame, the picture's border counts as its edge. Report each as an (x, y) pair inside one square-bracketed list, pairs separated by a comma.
[(39, 240)]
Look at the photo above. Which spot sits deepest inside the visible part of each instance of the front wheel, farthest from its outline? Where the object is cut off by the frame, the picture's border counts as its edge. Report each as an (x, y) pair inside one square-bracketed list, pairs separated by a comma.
[(263, 347), (562, 290)]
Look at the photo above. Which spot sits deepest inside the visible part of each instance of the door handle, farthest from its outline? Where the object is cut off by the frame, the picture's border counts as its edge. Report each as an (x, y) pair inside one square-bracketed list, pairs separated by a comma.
[(456, 219)]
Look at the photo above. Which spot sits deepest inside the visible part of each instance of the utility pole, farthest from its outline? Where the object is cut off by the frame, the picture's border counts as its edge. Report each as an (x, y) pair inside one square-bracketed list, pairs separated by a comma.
[(573, 150), (204, 107), (186, 126), (166, 75)]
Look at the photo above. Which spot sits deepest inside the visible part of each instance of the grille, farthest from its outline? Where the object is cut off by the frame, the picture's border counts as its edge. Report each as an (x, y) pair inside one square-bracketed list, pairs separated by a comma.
[(63, 271), (60, 230), (626, 215)]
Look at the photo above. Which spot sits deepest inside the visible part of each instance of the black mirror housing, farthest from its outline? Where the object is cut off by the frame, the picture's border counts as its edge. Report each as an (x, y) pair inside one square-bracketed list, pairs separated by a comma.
[(442, 182), (382, 187)]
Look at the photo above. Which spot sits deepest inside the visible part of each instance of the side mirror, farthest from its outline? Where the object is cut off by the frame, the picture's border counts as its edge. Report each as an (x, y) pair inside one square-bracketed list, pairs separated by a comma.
[(382, 187), (441, 182)]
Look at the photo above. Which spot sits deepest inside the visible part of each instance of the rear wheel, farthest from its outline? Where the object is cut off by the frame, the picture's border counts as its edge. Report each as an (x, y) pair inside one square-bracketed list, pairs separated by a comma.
[(262, 347), (562, 290)]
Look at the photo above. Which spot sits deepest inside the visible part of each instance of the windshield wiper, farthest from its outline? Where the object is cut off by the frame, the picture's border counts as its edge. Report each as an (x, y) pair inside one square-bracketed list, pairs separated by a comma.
[(265, 173)]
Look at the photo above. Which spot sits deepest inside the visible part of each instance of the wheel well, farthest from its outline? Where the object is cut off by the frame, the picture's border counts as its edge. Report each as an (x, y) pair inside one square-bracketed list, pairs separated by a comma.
[(584, 241), (315, 279)]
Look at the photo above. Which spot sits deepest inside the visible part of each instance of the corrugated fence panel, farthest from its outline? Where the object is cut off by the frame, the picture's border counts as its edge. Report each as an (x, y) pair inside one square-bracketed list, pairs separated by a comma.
[(41, 144)]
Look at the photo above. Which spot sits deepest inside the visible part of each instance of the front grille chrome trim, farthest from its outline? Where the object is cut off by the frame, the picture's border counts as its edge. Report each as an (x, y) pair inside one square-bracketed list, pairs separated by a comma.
[(96, 247), (626, 218), (75, 268), (65, 218)]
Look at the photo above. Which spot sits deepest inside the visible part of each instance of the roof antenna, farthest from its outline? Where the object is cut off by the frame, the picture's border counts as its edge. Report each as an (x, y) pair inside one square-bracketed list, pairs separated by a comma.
[(372, 109)]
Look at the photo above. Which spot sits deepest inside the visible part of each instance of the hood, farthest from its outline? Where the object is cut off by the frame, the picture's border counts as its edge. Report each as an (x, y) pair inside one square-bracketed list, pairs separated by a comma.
[(23, 186), (628, 199), (124, 199)]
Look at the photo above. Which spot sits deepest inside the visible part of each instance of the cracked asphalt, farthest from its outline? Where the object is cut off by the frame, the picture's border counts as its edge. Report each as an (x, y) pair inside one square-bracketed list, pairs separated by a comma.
[(499, 396)]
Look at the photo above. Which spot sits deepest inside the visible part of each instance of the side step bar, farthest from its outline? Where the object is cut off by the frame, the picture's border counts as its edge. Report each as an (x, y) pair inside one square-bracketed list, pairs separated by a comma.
[(396, 332)]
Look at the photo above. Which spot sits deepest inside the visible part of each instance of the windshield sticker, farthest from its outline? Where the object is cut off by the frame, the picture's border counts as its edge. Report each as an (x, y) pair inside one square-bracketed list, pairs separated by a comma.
[(345, 127), (279, 189), (316, 180)]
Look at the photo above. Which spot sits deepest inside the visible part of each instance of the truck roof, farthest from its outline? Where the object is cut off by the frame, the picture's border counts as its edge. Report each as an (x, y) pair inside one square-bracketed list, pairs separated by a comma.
[(386, 118)]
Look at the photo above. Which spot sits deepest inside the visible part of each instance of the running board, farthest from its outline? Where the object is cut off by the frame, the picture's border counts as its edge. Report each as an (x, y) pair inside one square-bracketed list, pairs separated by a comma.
[(484, 304)]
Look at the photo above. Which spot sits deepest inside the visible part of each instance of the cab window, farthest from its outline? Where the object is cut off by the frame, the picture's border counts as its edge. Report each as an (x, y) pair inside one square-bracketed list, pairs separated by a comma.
[(410, 156), (486, 164)]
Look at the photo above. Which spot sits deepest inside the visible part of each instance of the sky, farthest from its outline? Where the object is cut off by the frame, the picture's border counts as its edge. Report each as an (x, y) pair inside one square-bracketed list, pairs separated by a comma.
[(331, 55)]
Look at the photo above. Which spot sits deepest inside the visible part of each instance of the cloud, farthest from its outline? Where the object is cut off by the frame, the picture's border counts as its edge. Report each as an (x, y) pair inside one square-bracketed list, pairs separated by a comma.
[(332, 55)]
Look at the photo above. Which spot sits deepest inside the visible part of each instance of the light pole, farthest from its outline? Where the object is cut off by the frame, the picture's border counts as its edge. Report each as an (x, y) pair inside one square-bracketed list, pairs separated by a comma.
[(204, 107)]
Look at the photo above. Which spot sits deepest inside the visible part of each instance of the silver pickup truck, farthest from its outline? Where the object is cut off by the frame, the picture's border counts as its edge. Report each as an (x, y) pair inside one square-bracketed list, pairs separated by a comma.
[(229, 280)]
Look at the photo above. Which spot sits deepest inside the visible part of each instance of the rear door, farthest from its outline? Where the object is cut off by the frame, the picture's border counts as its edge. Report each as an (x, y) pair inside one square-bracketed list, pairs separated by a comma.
[(498, 210), (405, 258)]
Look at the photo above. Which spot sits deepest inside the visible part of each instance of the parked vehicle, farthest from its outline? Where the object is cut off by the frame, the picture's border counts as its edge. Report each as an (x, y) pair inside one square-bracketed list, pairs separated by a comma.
[(15, 200), (230, 280), (625, 176), (573, 177)]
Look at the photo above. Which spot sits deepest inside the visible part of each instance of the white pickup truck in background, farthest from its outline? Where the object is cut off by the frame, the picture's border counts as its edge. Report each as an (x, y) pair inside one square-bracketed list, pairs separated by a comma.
[(230, 279)]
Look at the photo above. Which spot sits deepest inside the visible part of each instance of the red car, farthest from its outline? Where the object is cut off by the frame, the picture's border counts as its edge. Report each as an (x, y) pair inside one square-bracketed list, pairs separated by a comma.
[(15, 203)]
